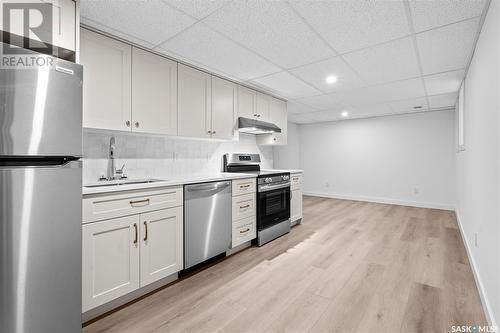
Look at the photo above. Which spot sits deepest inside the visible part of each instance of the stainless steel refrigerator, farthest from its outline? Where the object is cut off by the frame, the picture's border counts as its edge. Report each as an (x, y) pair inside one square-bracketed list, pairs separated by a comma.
[(40, 198)]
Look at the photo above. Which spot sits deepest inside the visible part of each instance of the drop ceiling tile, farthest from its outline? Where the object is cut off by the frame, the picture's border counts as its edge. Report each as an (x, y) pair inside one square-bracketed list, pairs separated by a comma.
[(198, 8), (408, 105), (299, 119), (211, 50), (383, 93), (294, 107), (322, 102), (386, 62), (316, 74), (430, 14), (323, 116), (151, 21), (444, 83), (286, 84), (355, 24), (443, 101), (272, 29), (369, 110), (448, 48)]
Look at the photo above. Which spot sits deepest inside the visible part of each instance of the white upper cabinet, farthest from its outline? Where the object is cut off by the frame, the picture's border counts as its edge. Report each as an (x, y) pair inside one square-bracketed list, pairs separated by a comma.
[(247, 103), (224, 108), (263, 106), (194, 103), (106, 82), (278, 116), (161, 244), (154, 93)]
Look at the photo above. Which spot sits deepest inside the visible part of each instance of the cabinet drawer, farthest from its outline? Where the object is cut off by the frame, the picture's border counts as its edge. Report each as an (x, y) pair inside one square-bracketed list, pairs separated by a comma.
[(109, 206), (243, 186), (296, 181), (243, 231), (243, 206)]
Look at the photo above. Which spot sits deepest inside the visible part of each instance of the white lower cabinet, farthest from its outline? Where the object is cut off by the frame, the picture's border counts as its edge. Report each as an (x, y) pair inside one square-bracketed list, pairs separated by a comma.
[(110, 260), (161, 244), (296, 205), (244, 211), (123, 254), (296, 198)]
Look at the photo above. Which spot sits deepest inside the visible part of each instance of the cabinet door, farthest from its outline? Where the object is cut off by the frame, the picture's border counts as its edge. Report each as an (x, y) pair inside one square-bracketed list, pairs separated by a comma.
[(247, 103), (106, 82), (64, 26), (263, 106), (161, 244), (277, 116), (110, 260), (194, 105), (154, 93), (296, 205), (224, 100)]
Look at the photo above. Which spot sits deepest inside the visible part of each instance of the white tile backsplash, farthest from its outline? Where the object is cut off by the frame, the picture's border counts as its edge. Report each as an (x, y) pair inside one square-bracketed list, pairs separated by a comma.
[(162, 157)]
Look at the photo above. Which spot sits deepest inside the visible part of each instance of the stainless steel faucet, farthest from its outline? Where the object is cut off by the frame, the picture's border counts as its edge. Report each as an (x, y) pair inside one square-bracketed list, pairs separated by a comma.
[(111, 163)]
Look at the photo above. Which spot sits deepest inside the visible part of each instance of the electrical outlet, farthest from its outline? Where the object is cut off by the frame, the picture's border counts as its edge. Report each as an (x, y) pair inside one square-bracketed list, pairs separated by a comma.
[(475, 240), (416, 190)]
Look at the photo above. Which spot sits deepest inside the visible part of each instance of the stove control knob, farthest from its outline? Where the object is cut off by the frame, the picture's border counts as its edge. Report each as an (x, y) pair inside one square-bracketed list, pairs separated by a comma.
[(285, 177), (268, 180)]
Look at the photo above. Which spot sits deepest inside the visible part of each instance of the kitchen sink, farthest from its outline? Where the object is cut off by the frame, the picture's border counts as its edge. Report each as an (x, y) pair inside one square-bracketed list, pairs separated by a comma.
[(123, 182)]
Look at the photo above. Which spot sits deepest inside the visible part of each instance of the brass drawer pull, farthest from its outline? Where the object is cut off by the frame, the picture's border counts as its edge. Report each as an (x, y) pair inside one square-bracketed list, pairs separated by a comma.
[(246, 206), (145, 231), (245, 186), (145, 201), (243, 231), (136, 233)]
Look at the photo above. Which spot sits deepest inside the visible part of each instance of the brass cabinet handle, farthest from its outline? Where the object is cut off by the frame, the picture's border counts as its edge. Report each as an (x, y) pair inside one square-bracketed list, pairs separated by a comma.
[(146, 231), (132, 202), (136, 124), (136, 233), (127, 123), (209, 132), (246, 206), (243, 231), (214, 132), (245, 186)]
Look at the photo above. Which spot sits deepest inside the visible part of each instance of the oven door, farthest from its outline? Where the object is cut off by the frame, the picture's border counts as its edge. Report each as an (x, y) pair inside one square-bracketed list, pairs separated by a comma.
[(273, 205)]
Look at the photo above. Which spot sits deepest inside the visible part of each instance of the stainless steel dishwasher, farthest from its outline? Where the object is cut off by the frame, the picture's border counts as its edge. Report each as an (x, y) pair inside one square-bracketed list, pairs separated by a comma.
[(207, 221)]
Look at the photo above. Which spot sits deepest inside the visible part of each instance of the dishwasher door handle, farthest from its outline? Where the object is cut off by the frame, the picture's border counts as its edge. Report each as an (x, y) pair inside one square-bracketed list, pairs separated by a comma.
[(206, 188)]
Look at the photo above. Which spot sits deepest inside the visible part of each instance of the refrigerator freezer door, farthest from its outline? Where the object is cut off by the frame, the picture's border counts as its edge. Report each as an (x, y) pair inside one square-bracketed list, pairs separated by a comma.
[(40, 249), (41, 110)]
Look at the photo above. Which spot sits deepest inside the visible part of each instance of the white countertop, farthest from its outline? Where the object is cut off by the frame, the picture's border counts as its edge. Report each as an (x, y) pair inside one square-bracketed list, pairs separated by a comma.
[(178, 180), (285, 170)]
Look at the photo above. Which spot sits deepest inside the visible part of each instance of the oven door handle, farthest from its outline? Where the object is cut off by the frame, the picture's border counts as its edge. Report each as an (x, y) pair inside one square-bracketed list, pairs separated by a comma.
[(266, 188)]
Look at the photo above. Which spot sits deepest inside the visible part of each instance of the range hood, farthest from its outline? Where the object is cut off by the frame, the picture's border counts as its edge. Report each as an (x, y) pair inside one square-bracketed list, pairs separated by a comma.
[(253, 126)]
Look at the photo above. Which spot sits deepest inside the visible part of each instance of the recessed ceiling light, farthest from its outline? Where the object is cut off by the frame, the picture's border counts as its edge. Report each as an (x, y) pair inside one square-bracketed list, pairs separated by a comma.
[(344, 114), (331, 79)]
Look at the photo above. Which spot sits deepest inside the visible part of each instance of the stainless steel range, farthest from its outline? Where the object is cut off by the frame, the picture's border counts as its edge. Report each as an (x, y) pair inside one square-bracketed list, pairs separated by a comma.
[(273, 195)]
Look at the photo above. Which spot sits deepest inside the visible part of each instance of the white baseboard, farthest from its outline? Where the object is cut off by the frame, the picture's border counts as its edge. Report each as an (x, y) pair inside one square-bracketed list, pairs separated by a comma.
[(383, 200), (477, 277)]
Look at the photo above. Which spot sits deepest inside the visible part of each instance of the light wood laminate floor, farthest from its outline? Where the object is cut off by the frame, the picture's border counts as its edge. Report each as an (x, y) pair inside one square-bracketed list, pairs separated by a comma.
[(350, 267)]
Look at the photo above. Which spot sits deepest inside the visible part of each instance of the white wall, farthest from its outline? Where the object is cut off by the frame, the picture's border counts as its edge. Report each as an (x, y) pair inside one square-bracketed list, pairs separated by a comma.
[(288, 157), (162, 157), (381, 159), (478, 167)]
